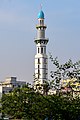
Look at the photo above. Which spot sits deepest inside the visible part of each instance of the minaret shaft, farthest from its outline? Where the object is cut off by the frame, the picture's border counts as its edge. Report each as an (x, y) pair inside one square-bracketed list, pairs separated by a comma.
[(41, 33), (41, 59)]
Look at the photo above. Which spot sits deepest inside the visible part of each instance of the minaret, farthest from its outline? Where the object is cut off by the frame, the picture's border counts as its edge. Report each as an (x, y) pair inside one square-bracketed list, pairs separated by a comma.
[(41, 59)]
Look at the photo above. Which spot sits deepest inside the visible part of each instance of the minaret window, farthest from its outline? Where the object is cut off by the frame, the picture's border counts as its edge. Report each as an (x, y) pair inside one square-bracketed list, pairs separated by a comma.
[(42, 50), (38, 66), (38, 76), (38, 73), (44, 65), (45, 60), (38, 61), (38, 50), (40, 22)]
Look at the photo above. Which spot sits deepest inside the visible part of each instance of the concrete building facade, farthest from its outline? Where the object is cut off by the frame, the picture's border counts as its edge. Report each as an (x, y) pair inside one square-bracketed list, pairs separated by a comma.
[(10, 84)]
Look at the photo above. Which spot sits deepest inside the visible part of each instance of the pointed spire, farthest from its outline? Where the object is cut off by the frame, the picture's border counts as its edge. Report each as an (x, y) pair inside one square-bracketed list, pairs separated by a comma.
[(41, 13), (40, 6)]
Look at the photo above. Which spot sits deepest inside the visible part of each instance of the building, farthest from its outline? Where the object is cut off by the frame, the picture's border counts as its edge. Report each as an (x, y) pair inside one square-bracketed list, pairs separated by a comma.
[(9, 84), (41, 59), (71, 85)]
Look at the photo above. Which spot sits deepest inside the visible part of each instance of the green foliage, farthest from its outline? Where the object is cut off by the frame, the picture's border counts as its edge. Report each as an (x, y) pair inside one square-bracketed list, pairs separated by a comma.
[(25, 104), (64, 71)]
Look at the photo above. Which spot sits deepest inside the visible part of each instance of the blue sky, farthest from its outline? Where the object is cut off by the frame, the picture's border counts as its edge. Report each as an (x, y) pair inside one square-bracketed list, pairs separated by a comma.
[(17, 32)]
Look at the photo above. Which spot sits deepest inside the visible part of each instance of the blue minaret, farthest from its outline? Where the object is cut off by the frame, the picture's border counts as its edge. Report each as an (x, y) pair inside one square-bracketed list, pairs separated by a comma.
[(41, 59)]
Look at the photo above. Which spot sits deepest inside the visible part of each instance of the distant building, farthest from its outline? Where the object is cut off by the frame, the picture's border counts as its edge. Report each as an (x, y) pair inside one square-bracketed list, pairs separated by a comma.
[(71, 85), (52, 92), (9, 84)]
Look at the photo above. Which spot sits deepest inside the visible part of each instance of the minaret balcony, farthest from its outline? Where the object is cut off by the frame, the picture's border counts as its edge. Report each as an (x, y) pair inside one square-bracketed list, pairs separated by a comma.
[(41, 40), (41, 26)]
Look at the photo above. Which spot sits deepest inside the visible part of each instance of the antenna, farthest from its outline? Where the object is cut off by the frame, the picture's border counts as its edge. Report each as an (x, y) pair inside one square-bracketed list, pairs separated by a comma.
[(40, 6)]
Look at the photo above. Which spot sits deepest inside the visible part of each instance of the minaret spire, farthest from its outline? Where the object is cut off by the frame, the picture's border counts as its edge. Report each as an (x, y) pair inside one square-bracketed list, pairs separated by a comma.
[(40, 6), (41, 59)]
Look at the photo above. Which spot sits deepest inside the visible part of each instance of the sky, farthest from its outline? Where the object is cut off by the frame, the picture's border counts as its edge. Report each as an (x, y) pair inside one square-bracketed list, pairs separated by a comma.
[(18, 19)]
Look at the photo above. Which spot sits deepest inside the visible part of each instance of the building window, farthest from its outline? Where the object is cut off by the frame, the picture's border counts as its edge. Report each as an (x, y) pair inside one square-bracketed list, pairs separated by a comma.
[(42, 50), (18, 85), (13, 86), (3, 92)]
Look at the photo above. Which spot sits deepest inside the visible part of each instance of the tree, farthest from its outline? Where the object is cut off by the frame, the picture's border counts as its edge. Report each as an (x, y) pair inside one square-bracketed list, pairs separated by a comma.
[(67, 70), (26, 104)]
